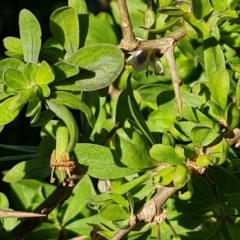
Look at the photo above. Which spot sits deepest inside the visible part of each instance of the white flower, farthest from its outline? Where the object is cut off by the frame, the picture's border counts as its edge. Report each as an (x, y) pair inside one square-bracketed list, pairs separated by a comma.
[(141, 59)]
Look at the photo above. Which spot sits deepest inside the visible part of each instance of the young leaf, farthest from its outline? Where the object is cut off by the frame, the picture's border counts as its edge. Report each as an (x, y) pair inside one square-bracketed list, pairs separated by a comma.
[(165, 154), (14, 79), (65, 28), (181, 175), (30, 33), (63, 113), (101, 161), (99, 64), (30, 71), (14, 47), (45, 74), (7, 63), (132, 149)]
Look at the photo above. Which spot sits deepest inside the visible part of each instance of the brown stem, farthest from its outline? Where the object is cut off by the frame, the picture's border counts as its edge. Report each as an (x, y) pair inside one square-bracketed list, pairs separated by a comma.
[(127, 29), (18, 214), (150, 209), (169, 54), (123, 232), (57, 197)]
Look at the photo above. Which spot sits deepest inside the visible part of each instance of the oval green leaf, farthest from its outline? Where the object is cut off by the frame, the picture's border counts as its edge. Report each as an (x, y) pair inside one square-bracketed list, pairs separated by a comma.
[(65, 28), (99, 64), (165, 154), (101, 162), (31, 35)]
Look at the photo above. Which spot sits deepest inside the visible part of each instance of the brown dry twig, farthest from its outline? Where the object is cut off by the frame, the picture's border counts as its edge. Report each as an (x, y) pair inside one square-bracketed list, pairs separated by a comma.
[(19, 214), (164, 46), (57, 197)]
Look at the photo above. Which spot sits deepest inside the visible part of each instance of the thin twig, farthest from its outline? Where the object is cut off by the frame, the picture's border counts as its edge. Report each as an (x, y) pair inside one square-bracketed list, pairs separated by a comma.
[(57, 197), (169, 54), (121, 233), (127, 29), (19, 214)]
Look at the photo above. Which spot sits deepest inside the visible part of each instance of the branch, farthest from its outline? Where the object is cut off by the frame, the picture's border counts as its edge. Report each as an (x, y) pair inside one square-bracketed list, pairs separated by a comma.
[(150, 209), (127, 29), (57, 197), (175, 78), (18, 214)]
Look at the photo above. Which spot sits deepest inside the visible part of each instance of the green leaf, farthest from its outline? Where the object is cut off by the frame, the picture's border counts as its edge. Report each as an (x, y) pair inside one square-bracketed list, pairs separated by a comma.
[(219, 84), (97, 29), (30, 33), (63, 113), (172, 11), (43, 90), (63, 70), (81, 192), (101, 162), (165, 154), (220, 152), (234, 63), (219, 5), (34, 107), (30, 71), (4, 204), (181, 175), (99, 64), (182, 130), (20, 99), (233, 229), (215, 111), (204, 160), (132, 149), (113, 212), (201, 8), (165, 176), (45, 74), (14, 47), (231, 184), (83, 18), (136, 114), (71, 101), (14, 79), (203, 135), (213, 56), (238, 94), (232, 116), (5, 115), (126, 187), (65, 28), (232, 205), (27, 170), (190, 31), (7, 63)]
